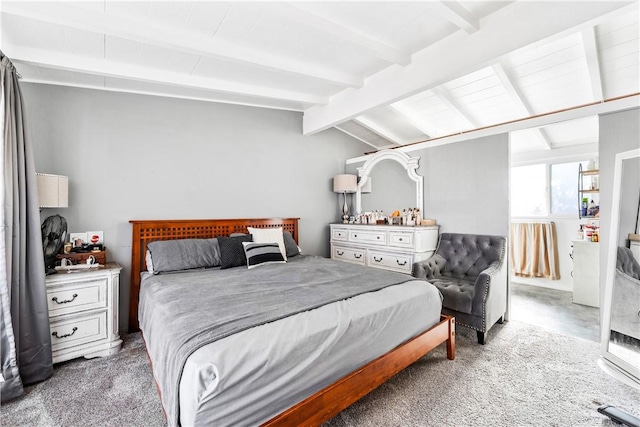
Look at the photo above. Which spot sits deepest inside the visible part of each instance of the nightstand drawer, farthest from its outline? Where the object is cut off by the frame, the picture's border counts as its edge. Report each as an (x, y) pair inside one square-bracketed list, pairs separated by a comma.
[(369, 237), (73, 331), (396, 262), (339, 234), (73, 297), (400, 239), (353, 255)]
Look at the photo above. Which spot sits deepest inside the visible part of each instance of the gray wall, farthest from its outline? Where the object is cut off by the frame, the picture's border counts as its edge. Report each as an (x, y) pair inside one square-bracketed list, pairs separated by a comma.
[(132, 156), (619, 132), (466, 185)]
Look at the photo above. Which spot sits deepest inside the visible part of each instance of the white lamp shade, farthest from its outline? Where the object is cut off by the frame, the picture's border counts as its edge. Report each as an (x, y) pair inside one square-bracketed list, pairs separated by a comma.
[(345, 183), (367, 187), (53, 191)]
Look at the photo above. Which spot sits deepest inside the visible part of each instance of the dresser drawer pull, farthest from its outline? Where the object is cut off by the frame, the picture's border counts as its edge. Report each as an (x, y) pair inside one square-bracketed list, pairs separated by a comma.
[(340, 253), (377, 260), (357, 256), (55, 334), (55, 299), (404, 263), (355, 235), (400, 239), (378, 237)]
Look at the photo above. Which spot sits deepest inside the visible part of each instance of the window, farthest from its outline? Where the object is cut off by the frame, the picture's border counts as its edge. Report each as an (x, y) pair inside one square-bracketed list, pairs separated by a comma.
[(529, 190), (545, 189)]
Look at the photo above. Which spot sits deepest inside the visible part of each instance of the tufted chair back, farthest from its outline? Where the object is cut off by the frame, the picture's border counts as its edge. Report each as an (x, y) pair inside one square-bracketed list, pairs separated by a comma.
[(465, 256)]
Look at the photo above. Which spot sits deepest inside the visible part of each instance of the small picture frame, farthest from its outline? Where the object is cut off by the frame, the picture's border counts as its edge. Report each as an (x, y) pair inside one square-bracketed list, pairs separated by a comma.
[(95, 237), (77, 239)]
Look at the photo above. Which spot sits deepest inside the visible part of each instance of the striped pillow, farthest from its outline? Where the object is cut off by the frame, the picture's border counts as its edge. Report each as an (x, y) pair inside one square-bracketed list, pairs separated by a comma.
[(262, 253)]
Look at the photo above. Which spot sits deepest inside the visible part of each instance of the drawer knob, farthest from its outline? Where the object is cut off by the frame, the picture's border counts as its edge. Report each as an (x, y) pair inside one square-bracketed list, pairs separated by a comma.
[(357, 256), (404, 263), (400, 239), (55, 334), (55, 299), (355, 235), (340, 253), (378, 237), (377, 260)]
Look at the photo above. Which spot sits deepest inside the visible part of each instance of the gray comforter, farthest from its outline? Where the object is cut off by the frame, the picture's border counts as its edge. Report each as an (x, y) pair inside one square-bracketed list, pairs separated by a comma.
[(192, 309)]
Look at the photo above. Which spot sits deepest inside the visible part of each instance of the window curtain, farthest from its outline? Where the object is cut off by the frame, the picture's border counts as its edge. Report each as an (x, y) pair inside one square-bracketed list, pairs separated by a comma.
[(534, 250), (25, 341)]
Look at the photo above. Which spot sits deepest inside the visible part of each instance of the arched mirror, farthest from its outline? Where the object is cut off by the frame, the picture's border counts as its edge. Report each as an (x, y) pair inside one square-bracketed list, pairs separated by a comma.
[(621, 312), (409, 164)]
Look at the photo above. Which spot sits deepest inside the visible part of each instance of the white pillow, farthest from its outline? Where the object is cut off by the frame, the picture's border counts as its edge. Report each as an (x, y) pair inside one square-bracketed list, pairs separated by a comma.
[(149, 261), (269, 235)]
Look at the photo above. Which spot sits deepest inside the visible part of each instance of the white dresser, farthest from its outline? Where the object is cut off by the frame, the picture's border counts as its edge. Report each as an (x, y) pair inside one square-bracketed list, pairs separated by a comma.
[(83, 312), (391, 247)]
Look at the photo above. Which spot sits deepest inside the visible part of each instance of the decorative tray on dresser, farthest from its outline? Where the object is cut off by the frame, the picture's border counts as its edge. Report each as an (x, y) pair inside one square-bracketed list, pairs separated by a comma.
[(83, 312), (390, 247)]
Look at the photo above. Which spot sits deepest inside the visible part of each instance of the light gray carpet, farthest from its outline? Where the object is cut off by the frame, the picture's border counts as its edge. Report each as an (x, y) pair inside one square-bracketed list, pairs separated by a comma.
[(523, 376)]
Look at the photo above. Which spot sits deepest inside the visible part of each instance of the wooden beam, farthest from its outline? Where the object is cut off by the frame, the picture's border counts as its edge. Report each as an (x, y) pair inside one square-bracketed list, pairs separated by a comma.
[(446, 98), (517, 97), (355, 137), (458, 15), (103, 67), (143, 31), (310, 17), (514, 26), (378, 129), (593, 62), (413, 120)]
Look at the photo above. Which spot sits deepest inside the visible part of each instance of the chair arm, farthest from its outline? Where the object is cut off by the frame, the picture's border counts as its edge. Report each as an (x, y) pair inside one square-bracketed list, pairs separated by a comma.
[(428, 268), (483, 285)]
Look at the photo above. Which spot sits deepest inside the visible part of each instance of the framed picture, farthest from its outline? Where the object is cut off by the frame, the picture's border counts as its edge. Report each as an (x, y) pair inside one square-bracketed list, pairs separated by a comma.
[(77, 239), (95, 237)]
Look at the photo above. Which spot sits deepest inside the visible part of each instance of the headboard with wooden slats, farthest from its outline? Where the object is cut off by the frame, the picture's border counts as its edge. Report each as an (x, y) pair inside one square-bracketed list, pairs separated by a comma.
[(145, 232)]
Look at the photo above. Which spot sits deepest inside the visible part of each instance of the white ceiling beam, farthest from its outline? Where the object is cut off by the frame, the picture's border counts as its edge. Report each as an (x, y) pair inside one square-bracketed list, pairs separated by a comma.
[(458, 15), (626, 103), (516, 96), (445, 97), (417, 124), (355, 137), (103, 67), (143, 31), (378, 129), (215, 97), (593, 62), (516, 25), (308, 16)]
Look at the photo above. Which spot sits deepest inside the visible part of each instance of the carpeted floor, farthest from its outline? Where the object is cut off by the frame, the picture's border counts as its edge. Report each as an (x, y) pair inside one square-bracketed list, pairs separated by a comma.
[(523, 376)]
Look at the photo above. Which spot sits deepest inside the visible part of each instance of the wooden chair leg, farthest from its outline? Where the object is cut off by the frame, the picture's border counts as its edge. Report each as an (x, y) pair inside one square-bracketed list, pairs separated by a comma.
[(481, 337)]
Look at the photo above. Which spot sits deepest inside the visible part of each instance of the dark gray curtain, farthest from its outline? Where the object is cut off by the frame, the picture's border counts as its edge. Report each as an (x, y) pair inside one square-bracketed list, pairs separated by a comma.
[(25, 344)]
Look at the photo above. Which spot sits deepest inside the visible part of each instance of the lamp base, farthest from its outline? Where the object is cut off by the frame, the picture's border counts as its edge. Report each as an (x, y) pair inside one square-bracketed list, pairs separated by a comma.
[(345, 210)]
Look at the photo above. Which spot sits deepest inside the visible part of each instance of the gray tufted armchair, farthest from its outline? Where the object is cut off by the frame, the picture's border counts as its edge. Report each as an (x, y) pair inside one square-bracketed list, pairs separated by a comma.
[(471, 273)]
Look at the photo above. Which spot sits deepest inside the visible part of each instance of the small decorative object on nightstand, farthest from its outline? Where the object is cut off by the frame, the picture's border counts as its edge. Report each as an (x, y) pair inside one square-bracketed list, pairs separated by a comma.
[(83, 312)]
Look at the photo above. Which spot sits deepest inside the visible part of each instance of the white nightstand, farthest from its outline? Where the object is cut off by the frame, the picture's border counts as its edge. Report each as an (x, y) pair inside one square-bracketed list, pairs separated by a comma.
[(83, 312)]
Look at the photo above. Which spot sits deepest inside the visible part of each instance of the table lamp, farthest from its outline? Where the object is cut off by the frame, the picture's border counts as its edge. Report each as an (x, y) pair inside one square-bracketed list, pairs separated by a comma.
[(345, 183)]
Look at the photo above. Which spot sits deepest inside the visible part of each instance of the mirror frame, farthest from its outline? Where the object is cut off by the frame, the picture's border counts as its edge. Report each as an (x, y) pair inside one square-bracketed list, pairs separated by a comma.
[(611, 363), (410, 164)]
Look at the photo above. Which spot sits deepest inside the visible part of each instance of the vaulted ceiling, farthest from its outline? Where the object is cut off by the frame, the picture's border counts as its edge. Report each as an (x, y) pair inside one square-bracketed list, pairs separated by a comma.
[(387, 73)]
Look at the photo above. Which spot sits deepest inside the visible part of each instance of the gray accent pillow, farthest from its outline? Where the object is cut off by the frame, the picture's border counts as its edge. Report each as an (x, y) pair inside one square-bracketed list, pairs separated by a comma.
[(232, 251), (183, 254), (290, 245)]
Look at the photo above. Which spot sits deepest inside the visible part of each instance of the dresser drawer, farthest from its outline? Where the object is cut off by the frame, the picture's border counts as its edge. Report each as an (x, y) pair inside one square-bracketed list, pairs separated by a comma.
[(72, 331), (339, 234), (389, 261), (369, 237), (73, 297), (400, 239), (353, 255)]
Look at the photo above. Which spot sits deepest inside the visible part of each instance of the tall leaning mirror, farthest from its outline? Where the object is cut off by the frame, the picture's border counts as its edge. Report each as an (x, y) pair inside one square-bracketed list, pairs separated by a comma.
[(621, 312)]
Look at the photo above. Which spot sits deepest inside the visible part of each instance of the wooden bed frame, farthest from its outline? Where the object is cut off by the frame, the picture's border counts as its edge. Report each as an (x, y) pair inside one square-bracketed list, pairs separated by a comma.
[(328, 402)]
